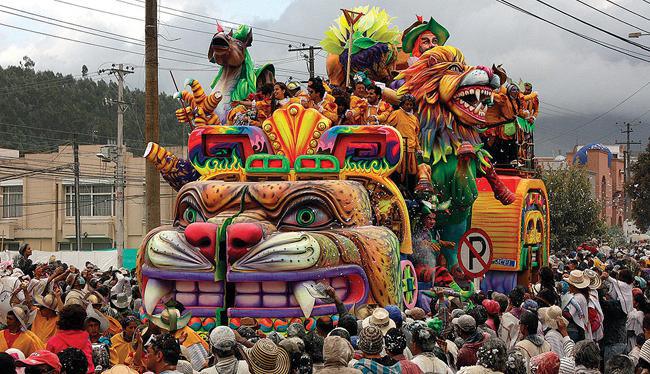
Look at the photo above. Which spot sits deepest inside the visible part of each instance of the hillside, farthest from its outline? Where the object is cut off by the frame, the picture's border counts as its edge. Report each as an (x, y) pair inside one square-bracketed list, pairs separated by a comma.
[(40, 110)]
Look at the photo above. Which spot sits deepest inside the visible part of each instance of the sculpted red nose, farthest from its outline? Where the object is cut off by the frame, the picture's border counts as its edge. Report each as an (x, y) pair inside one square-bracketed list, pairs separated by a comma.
[(240, 238), (204, 236)]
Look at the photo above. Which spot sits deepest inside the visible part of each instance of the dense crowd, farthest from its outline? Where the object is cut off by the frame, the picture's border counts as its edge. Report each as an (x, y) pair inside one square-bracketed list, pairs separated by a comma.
[(588, 313)]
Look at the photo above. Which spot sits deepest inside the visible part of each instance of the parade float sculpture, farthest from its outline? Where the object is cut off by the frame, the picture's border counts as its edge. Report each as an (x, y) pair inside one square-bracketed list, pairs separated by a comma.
[(419, 38), (276, 210), (374, 46), (237, 77), (453, 101)]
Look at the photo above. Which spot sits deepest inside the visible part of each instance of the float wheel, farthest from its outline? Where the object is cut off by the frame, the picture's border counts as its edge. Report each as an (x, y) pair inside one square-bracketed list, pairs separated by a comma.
[(409, 284)]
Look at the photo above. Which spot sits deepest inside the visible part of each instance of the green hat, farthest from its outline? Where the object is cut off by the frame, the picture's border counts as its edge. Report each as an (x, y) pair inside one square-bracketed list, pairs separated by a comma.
[(411, 34), (171, 318)]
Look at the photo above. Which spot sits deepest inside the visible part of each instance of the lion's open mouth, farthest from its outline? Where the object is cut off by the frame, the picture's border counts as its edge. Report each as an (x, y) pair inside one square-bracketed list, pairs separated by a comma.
[(472, 100), (257, 294)]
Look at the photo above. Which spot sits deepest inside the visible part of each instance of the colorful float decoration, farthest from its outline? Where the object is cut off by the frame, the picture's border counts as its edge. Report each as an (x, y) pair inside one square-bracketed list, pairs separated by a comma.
[(265, 215)]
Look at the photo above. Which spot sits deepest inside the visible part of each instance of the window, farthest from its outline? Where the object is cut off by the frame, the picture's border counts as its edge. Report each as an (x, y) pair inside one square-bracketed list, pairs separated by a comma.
[(95, 200), (87, 244), (12, 201)]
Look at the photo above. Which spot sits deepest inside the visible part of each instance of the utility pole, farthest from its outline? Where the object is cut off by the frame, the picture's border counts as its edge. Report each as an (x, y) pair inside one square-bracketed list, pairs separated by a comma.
[(152, 129), (626, 166), (119, 71), (310, 59), (77, 210)]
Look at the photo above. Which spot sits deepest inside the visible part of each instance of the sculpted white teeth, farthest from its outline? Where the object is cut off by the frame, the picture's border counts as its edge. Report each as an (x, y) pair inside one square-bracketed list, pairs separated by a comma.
[(302, 294), (477, 93), (156, 290)]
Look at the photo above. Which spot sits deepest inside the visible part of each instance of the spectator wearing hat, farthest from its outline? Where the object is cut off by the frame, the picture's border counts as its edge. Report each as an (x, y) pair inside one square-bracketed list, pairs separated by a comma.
[(95, 325), (163, 354), (423, 344), (46, 318), (635, 353), (395, 343), (644, 357), (492, 358), (416, 314), (555, 329), (473, 340), (585, 359), (71, 333), (41, 361), (595, 311), (76, 294), (267, 358), (173, 320), (16, 334), (575, 306), (371, 344), (337, 353), (620, 364), (380, 319), (73, 361), (97, 301), (532, 344), (481, 317), (125, 344), (224, 346)]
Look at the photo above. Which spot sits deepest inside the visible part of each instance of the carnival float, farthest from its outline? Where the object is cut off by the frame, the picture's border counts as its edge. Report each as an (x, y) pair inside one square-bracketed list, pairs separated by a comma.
[(274, 205)]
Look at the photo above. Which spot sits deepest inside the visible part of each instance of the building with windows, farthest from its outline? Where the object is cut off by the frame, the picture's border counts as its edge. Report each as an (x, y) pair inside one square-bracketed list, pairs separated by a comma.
[(37, 204)]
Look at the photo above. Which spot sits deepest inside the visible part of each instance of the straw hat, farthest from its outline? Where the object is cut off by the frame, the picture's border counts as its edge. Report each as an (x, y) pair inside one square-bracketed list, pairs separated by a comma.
[(379, 318), (48, 301), (91, 313), (578, 279), (120, 369), (594, 280), (551, 315), (24, 316), (170, 319), (266, 357), (121, 300)]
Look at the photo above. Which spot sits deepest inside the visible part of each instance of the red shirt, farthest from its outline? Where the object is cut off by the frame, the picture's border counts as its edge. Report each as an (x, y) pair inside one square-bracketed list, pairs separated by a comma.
[(10, 337), (72, 339)]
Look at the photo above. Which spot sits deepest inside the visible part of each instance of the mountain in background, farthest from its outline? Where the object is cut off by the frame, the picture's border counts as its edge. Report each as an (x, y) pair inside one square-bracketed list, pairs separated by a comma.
[(40, 110)]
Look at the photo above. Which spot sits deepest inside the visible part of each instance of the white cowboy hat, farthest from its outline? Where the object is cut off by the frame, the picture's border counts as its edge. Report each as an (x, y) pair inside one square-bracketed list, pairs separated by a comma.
[(578, 279), (91, 313), (551, 315), (379, 318)]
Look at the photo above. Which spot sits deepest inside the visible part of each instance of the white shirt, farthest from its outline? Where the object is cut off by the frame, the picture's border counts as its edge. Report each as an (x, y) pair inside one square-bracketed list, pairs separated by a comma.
[(429, 363)]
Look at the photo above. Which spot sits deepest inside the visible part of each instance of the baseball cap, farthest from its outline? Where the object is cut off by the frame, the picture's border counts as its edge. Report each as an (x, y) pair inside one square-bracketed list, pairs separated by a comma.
[(465, 322), (41, 357)]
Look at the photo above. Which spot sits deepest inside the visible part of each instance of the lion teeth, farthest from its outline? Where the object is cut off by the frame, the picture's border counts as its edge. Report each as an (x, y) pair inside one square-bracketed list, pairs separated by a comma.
[(477, 93), (155, 290), (304, 297)]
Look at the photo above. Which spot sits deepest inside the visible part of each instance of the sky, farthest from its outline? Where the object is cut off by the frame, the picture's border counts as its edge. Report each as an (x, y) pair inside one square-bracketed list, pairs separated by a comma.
[(584, 87)]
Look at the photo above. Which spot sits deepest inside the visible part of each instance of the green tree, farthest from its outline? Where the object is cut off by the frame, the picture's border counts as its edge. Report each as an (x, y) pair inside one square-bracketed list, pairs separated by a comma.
[(639, 190), (574, 213)]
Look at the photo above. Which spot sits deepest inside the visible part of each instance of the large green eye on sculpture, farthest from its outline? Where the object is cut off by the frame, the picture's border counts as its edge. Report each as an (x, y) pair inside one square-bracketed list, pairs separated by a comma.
[(307, 217), (190, 215)]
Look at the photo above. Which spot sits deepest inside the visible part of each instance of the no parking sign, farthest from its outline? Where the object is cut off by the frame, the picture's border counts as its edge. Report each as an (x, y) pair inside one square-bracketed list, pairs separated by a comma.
[(475, 252)]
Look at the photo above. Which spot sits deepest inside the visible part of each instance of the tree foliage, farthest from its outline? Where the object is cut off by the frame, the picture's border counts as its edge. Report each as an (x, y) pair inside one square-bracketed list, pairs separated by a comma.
[(40, 110), (574, 213), (639, 190)]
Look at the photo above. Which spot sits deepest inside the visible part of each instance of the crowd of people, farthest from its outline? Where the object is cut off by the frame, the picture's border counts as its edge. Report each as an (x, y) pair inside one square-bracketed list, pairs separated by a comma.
[(588, 313)]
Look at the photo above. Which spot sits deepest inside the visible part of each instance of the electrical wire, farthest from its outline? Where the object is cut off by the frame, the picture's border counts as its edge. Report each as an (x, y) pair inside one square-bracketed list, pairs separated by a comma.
[(593, 40), (628, 10), (611, 16), (595, 27), (597, 117)]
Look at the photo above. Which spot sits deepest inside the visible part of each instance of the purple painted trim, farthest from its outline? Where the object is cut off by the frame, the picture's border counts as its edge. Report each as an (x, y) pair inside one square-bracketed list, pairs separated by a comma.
[(296, 276), (151, 272), (319, 310)]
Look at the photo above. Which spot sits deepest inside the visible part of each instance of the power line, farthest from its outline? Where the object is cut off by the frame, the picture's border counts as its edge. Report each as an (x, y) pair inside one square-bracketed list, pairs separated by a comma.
[(561, 107), (142, 20), (627, 10), (595, 27), (232, 22), (598, 117), (593, 40), (611, 16)]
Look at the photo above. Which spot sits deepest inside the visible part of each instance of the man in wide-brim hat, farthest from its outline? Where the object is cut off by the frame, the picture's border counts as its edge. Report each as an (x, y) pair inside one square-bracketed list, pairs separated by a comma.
[(379, 318), (173, 319), (44, 325), (267, 358), (17, 335)]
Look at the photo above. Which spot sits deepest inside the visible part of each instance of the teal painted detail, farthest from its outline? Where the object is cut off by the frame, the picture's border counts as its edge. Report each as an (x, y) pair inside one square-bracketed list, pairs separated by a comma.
[(130, 256)]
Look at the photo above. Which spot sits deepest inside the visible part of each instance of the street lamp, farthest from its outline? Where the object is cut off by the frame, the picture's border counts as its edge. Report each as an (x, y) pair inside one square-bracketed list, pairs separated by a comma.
[(637, 34)]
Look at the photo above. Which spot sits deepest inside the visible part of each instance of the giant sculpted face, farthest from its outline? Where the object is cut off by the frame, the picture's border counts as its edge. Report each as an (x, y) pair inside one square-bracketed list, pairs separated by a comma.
[(280, 239)]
